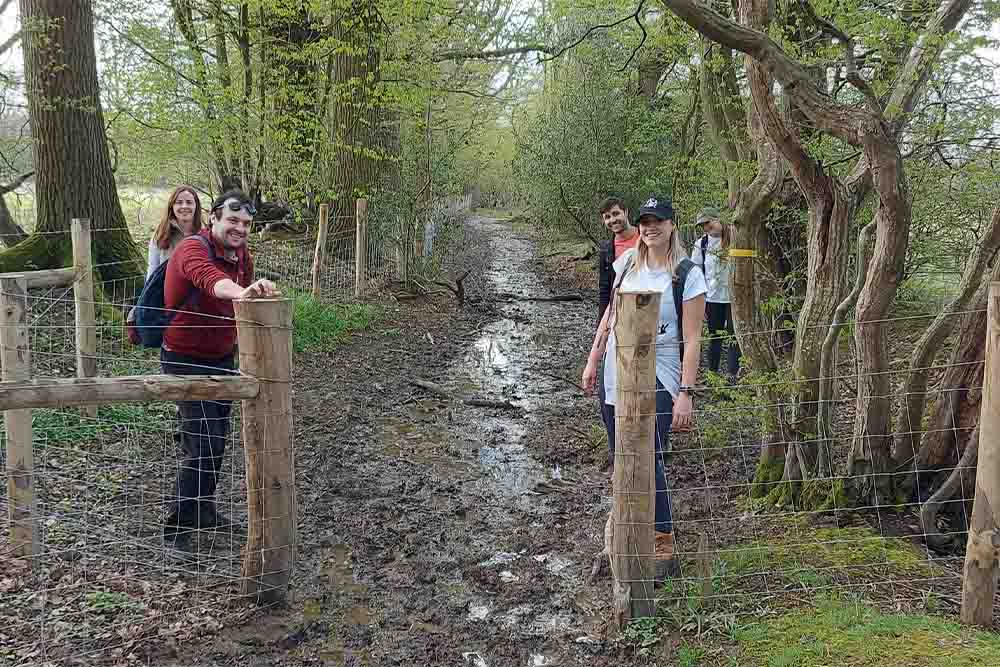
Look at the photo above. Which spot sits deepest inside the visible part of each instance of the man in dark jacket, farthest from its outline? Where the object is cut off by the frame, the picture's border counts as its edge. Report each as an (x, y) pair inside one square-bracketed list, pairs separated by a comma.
[(625, 236), (204, 276), (615, 216)]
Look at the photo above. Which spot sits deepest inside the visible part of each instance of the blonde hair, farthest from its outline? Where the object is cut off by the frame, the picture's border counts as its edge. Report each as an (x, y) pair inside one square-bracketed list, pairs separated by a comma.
[(675, 254)]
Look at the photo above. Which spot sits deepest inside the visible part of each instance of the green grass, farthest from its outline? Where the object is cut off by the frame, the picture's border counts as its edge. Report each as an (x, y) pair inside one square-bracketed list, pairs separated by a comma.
[(65, 427), (812, 557), (825, 627), (845, 631), (320, 327)]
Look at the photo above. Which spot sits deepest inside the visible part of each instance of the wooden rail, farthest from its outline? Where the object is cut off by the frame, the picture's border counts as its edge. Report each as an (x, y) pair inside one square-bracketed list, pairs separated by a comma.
[(72, 392), (45, 279)]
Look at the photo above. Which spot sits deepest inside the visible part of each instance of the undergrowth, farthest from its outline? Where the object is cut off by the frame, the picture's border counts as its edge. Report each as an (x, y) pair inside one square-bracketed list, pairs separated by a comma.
[(729, 620), (320, 327)]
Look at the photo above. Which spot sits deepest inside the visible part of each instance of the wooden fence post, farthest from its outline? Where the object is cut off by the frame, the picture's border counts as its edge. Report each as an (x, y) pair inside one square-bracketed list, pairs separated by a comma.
[(319, 258), (979, 584), (634, 513), (264, 331), (15, 348), (403, 251), (360, 247), (83, 297)]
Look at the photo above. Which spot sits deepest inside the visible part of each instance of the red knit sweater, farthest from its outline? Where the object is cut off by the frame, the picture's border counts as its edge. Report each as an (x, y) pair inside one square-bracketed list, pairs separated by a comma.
[(204, 328)]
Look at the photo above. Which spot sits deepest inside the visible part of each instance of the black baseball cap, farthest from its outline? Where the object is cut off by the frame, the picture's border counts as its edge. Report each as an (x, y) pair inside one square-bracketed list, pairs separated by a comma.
[(657, 206)]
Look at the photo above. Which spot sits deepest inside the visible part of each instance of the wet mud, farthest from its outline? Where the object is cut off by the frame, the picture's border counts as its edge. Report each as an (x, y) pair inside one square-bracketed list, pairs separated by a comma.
[(435, 532)]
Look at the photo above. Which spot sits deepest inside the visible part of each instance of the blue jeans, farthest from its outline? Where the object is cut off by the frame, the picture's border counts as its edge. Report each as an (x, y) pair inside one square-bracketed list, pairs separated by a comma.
[(664, 418)]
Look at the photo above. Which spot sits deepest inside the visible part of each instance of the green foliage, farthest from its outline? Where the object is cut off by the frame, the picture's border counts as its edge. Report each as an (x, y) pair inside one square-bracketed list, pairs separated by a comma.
[(108, 601), (857, 634), (69, 427), (320, 327), (589, 133)]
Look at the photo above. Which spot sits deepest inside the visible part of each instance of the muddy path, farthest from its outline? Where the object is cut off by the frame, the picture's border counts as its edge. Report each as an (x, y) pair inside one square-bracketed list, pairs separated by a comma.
[(438, 533)]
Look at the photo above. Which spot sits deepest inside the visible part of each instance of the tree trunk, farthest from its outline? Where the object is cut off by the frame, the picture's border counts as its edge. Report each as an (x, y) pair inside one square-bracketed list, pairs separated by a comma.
[(914, 391), (870, 458), (296, 91), (956, 409), (73, 177), (355, 113)]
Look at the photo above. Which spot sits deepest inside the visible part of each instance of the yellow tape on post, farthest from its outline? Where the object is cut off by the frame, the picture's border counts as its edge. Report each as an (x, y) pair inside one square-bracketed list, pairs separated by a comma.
[(742, 252)]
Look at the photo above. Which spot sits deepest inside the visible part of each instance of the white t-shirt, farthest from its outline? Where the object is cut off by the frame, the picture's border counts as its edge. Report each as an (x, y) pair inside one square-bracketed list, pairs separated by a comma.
[(717, 269), (668, 357)]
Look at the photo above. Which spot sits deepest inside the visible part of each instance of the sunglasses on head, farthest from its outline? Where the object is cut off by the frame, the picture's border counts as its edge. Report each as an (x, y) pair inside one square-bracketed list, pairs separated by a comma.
[(235, 207)]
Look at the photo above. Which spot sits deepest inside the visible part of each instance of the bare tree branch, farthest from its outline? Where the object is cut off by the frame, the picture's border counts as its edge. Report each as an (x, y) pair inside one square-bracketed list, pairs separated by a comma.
[(461, 54), (853, 76), (15, 184), (10, 42), (603, 26), (581, 223)]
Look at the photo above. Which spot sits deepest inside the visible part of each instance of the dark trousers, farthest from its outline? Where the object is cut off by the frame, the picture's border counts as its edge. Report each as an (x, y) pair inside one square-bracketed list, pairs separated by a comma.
[(204, 429), (720, 319), (664, 418)]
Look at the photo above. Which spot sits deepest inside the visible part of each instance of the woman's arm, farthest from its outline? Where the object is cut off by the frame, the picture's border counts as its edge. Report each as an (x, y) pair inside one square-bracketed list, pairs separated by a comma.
[(152, 258), (589, 379), (694, 316)]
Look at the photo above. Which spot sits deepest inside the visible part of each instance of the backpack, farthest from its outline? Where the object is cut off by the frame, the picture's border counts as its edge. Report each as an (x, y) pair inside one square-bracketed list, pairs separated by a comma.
[(150, 316), (704, 252), (680, 277)]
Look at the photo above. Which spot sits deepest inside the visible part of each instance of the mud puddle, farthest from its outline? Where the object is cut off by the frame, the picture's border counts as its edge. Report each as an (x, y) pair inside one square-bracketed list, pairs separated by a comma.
[(499, 497)]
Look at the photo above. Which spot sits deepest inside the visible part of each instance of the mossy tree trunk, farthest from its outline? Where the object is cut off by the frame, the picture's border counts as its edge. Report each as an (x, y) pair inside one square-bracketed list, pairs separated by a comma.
[(735, 127), (73, 177)]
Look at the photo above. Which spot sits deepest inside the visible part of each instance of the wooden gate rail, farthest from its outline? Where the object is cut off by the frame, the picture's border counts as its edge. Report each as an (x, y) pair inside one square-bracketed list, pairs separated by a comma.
[(264, 329)]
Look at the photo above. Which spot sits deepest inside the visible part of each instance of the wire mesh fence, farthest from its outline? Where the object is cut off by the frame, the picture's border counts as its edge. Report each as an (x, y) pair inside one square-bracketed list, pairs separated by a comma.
[(845, 511), (98, 582), (101, 584)]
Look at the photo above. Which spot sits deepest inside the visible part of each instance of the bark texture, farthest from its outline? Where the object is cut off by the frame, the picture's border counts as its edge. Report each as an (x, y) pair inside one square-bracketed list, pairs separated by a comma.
[(73, 177)]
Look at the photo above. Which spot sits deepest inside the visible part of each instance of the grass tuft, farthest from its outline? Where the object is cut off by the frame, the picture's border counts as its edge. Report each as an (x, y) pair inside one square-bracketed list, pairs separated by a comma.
[(846, 631), (320, 327)]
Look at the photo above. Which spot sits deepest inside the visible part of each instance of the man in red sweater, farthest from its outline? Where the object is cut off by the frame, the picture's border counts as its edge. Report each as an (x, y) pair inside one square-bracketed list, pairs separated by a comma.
[(204, 276)]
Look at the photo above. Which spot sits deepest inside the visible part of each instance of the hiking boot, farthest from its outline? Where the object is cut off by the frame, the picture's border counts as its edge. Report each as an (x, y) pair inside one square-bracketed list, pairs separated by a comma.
[(210, 517), (177, 547), (666, 564)]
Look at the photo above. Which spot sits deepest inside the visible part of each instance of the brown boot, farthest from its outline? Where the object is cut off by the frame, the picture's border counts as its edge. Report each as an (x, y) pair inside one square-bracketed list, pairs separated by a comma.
[(666, 564)]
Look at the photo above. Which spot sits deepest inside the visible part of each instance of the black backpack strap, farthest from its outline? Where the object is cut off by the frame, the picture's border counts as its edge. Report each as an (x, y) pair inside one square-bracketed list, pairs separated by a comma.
[(704, 251), (680, 278), (606, 252), (192, 296)]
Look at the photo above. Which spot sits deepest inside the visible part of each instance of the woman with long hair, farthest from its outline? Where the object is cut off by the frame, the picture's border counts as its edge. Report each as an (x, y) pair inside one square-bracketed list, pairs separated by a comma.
[(654, 264), (181, 219), (711, 253)]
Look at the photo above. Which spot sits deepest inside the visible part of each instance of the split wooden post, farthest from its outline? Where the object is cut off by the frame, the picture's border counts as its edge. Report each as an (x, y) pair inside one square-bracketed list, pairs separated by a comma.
[(264, 332), (979, 584), (403, 251), (634, 513), (360, 247), (15, 348), (319, 258), (83, 297)]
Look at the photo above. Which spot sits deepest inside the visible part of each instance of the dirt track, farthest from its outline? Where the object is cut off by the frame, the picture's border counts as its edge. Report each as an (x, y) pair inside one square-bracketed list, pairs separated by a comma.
[(435, 533)]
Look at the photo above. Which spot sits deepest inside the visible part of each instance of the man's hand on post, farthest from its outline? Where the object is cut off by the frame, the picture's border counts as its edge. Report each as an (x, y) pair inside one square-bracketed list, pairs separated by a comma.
[(262, 288)]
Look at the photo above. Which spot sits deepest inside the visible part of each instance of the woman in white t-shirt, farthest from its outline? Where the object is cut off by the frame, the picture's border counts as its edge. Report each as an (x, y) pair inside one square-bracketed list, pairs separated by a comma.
[(711, 253), (651, 266)]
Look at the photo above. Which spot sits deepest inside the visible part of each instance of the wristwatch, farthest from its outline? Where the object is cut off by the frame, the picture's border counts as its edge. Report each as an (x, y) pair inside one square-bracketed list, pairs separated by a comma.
[(686, 389)]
